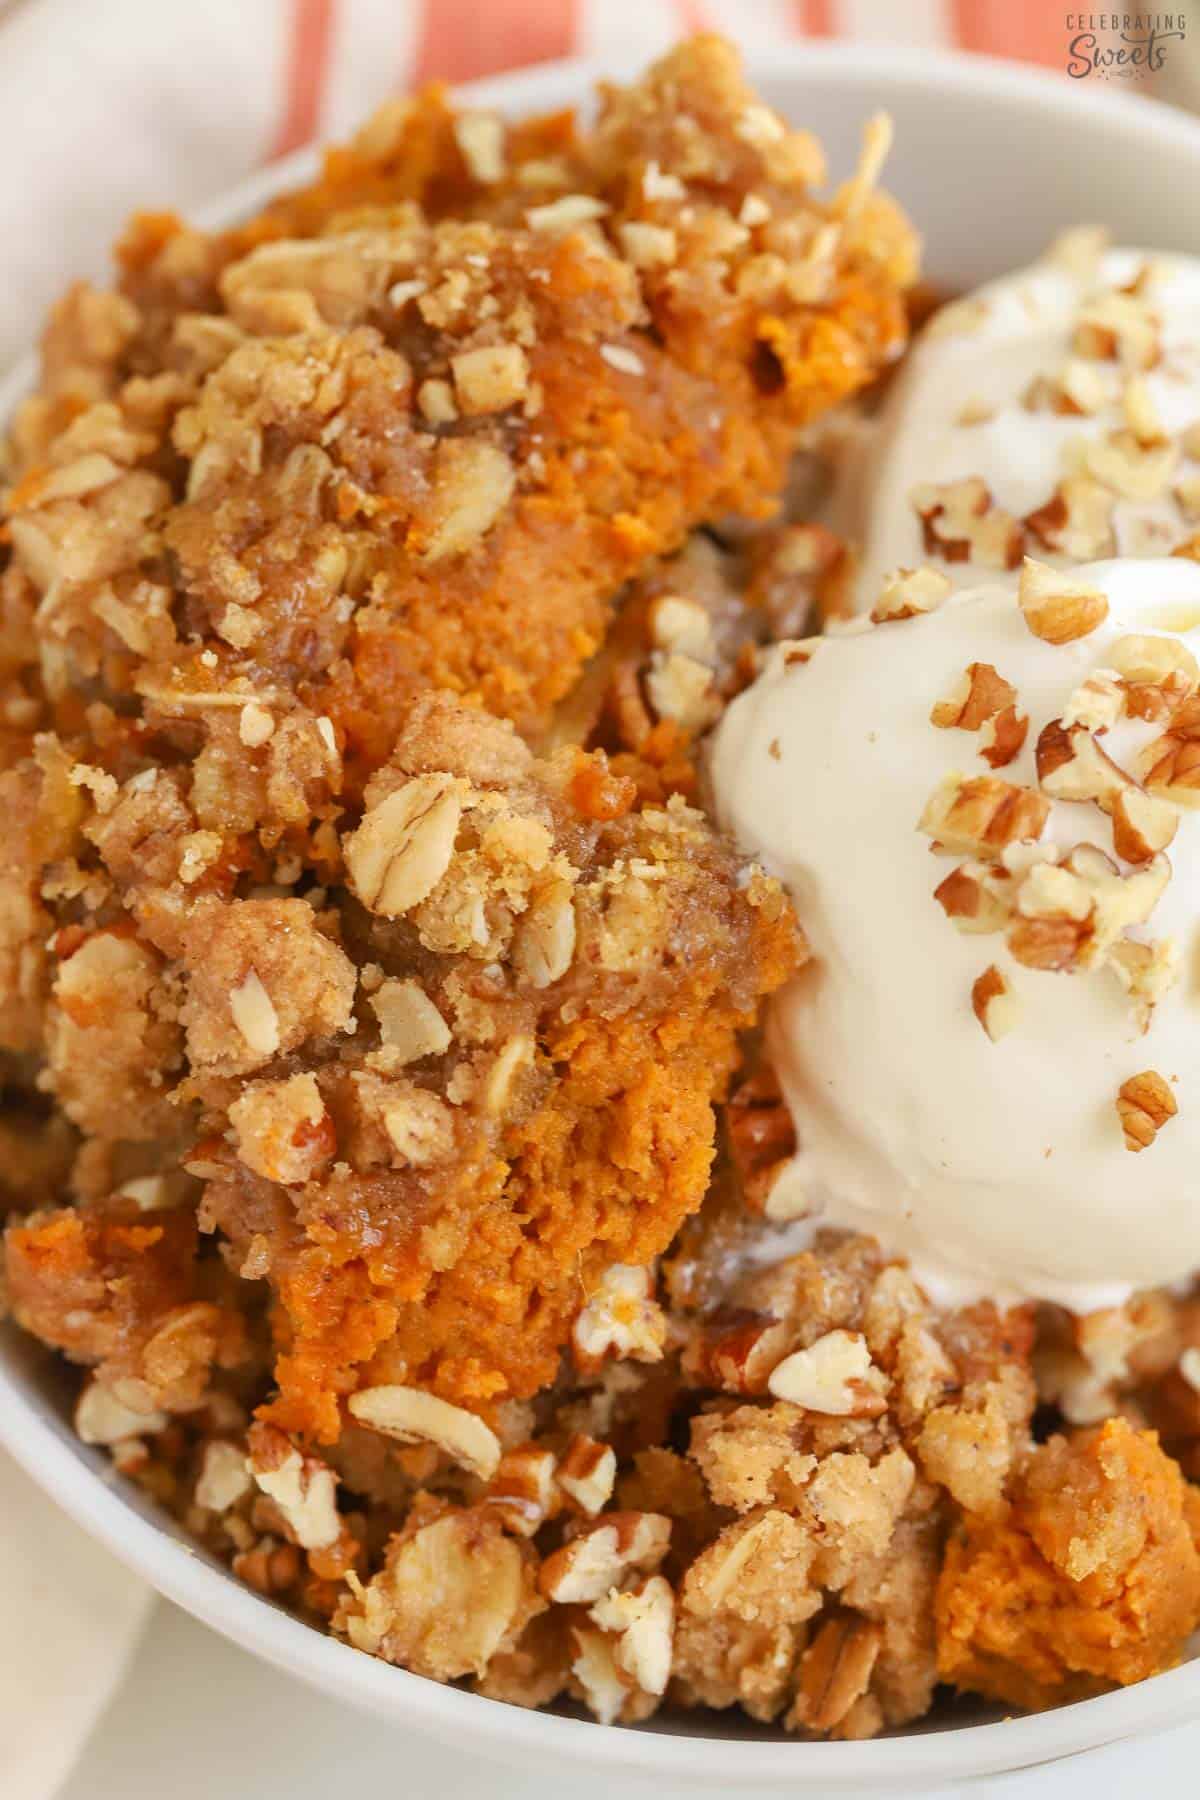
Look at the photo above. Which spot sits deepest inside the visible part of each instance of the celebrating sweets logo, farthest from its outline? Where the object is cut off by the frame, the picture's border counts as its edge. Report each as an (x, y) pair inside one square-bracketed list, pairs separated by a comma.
[(1121, 46)]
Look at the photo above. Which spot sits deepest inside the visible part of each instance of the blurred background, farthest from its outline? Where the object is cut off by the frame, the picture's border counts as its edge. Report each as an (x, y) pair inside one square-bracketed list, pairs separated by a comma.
[(108, 105)]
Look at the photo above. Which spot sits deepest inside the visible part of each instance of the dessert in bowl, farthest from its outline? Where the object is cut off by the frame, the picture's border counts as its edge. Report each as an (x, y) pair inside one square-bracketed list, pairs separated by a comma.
[(376, 965)]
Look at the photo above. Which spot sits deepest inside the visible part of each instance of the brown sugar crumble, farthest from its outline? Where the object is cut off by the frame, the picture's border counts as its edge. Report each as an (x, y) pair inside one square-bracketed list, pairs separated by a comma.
[(387, 1137)]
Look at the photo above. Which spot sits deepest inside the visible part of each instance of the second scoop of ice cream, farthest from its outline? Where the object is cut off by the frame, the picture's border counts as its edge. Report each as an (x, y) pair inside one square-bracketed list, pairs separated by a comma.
[(1005, 925), (1052, 412)]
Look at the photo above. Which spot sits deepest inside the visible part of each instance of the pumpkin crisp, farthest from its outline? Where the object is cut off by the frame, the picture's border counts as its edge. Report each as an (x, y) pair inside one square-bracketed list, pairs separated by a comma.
[(428, 1100), (1093, 1578), (423, 1033), (386, 1131), (418, 424)]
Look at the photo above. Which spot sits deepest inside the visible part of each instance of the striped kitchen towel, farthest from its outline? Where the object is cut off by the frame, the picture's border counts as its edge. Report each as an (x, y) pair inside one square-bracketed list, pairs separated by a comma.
[(126, 103)]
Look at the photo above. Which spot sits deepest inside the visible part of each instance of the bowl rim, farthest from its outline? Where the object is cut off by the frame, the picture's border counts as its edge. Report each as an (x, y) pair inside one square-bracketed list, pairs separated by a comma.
[(569, 80), (479, 1725), (44, 1450)]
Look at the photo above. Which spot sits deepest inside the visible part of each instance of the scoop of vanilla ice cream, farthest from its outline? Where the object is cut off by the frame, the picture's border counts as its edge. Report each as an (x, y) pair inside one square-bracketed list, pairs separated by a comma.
[(1000, 1166), (1056, 373)]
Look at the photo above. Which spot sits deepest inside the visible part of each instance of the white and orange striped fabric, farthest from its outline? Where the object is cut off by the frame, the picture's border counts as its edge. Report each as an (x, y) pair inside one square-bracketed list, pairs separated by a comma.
[(126, 103), (336, 47)]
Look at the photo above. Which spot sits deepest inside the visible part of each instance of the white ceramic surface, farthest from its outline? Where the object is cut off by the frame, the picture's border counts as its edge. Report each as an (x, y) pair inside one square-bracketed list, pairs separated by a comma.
[(189, 1687), (991, 160)]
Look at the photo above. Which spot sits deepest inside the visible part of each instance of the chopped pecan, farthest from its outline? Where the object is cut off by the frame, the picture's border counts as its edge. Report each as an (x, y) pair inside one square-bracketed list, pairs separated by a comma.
[(736, 1349), (961, 522), (1049, 891), (522, 1489), (1097, 703), (994, 1004), (302, 1487), (601, 1683), (979, 694), (1171, 764), (982, 814), (1046, 943), (1176, 773), (621, 1318), (834, 1375), (1056, 606), (1142, 824), (681, 689), (1146, 972), (224, 1476), (587, 1472), (681, 625), (1144, 1105), (1116, 327), (1157, 701), (1118, 901), (102, 1418), (282, 1129), (1002, 738), (490, 379), (761, 1133), (643, 1621), (1072, 766), (473, 483), (1076, 521), (1079, 389), (1131, 468), (1076, 389), (603, 1555), (973, 898), (983, 701), (1141, 414), (908, 592)]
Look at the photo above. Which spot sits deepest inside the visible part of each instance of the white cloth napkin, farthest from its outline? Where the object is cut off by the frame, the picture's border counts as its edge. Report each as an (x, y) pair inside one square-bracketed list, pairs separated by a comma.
[(70, 1617)]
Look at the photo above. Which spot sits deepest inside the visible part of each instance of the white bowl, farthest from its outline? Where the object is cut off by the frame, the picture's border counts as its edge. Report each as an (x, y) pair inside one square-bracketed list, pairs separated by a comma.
[(991, 160)]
